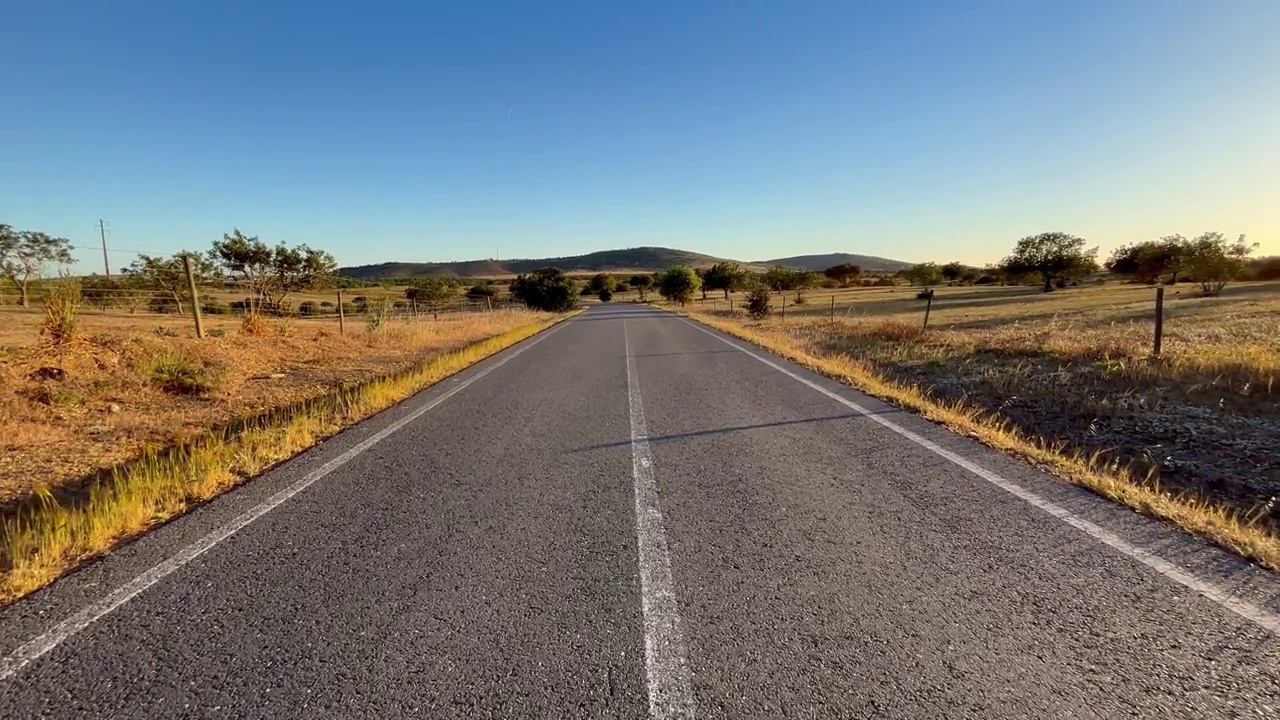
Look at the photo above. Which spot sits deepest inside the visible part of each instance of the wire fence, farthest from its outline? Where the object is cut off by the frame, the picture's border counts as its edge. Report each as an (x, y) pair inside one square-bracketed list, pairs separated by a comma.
[(215, 303)]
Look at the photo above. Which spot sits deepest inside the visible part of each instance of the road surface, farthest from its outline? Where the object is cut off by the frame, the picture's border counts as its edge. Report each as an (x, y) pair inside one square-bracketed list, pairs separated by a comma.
[(627, 517)]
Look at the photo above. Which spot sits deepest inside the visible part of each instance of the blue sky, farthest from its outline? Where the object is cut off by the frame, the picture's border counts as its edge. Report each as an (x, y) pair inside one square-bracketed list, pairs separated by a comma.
[(448, 131)]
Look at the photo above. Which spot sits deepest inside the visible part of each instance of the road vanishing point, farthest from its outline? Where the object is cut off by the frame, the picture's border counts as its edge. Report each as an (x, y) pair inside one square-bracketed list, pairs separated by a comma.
[(631, 516)]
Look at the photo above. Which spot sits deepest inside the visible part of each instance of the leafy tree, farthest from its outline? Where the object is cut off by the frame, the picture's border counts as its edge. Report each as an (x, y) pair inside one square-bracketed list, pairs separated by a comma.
[(925, 274), (602, 281), (25, 253), (605, 294), (780, 278), (724, 276), (272, 273), (1052, 255), (1147, 261), (642, 284), (953, 271), (1214, 261), (679, 283), (801, 281), (548, 289), (844, 274), (428, 291), (168, 275)]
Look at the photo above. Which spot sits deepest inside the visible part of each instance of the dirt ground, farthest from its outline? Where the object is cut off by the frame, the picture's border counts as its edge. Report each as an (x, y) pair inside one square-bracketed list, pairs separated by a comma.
[(1075, 367)]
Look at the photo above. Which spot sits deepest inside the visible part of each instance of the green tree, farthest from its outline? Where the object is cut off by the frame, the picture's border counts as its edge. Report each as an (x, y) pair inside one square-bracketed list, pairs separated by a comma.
[(24, 254), (924, 274), (429, 291), (601, 281), (642, 284), (678, 284), (803, 280), (953, 271), (1214, 261), (605, 294), (779, 278), (168, 276), (548, 289), (844, 274), (726, 277), (1051, 255), (272, 273)]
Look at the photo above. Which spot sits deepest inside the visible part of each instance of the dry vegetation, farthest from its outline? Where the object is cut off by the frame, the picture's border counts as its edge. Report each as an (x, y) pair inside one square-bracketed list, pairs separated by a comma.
[(1067, 378), (93, 405)]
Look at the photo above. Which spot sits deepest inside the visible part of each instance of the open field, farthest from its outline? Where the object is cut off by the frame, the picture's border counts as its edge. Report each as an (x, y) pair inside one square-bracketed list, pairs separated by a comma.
[(139, 382), (1073, 370)]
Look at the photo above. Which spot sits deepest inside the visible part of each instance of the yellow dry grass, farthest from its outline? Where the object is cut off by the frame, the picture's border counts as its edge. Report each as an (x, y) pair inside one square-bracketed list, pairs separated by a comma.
[(1066, 381), (48, 534)]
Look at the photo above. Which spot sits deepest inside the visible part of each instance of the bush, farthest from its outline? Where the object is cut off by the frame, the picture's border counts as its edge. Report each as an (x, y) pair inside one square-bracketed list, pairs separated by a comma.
[(586, 291), (828, 283), (758, 302), (327, 305), (678, 284), (351, 308), (309, 308), (885, 282), (1267, 268), (212, 306), (986, 280), (924, 294), (606, 295), (177, 375), (482, 291)]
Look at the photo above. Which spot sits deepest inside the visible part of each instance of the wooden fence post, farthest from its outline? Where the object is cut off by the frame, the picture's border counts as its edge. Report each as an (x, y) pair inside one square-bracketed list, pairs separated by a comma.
[(833, 308), (927, 307), (342, 316), (1155, 352), (195, 297), (784, 307)]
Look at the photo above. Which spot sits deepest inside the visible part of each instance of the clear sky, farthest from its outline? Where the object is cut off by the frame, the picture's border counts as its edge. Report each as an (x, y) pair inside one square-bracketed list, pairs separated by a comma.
[(457, 130)]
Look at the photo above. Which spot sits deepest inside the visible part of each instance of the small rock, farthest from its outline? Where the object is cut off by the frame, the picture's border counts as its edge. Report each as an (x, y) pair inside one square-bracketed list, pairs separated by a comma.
[(113, 408)]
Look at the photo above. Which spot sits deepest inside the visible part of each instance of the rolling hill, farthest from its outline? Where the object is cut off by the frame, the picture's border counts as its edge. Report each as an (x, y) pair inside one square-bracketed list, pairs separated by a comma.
[(818, 263), (616, 261), (641, 258)]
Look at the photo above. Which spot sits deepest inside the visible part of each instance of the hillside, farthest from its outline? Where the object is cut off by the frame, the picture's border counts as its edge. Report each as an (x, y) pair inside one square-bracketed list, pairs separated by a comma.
[(641, 258), (819, 263)]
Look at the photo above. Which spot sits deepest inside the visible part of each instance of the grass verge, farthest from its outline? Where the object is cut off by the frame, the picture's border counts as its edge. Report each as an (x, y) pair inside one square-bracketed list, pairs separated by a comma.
[(1222, 525), (46, 538)]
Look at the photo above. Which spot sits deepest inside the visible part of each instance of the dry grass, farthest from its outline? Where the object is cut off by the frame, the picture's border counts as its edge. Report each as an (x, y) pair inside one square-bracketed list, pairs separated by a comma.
[(1066, 380), (106, 433)]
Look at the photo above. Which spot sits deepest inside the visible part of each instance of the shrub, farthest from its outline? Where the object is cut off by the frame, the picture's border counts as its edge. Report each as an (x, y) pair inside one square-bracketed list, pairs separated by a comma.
[(758, 302), (885, 282), (828, 283), (327, 305), (482, 291), (178, 375), (212, 306), (606, 295), (924, 294), (350, 308), (679, 283), (309, 308), (586, 291), (254, 324), (61, 308), (986, 280)]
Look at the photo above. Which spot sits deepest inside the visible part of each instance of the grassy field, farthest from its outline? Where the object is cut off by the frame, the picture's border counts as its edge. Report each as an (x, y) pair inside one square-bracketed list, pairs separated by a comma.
[(134, 418), (1067, 378)]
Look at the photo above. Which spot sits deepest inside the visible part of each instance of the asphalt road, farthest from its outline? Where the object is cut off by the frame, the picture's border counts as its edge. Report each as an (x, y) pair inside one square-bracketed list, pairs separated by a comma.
[(629, 516)]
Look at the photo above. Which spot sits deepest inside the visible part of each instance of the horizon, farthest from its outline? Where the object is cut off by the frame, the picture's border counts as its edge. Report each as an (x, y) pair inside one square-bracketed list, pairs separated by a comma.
[(917, 132)]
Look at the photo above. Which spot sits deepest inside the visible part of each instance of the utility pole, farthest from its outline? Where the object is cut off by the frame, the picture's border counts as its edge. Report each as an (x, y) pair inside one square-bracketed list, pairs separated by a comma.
[(102, 230)]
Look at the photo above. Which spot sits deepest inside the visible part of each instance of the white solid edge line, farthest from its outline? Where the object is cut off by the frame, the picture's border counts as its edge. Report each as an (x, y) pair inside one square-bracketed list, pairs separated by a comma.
[(669, 685), (1245, 609), (43, 643)]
